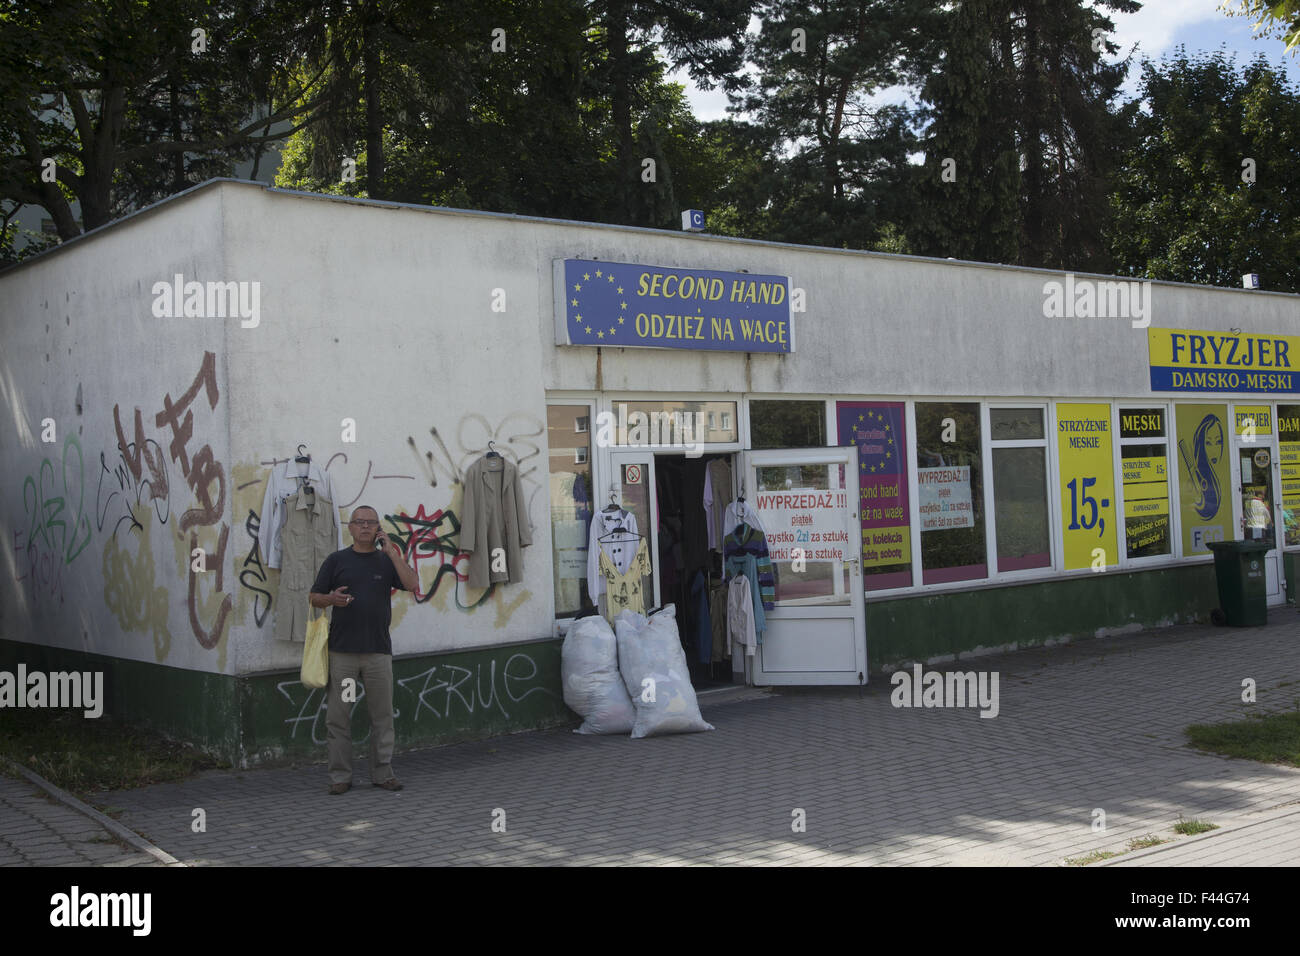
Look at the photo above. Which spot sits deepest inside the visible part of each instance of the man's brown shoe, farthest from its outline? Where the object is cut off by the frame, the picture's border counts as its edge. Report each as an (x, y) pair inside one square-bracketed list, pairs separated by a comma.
[(337, 788), (392, 783)]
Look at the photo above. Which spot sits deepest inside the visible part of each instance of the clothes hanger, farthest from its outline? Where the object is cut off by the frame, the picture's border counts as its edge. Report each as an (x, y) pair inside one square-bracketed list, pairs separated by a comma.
[(492, 450), (613, 505), (305, 459)]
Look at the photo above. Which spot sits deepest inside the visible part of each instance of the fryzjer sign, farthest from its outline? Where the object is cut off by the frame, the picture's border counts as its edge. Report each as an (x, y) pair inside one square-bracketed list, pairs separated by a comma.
[(1183, 360), (627, 305)]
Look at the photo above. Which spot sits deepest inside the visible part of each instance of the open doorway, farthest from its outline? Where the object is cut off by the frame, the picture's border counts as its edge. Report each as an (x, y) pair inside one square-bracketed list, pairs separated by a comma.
[(690, 572)]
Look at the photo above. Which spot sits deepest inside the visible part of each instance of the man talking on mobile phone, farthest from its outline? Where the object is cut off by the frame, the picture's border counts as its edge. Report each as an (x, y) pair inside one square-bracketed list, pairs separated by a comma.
[(357, 582)]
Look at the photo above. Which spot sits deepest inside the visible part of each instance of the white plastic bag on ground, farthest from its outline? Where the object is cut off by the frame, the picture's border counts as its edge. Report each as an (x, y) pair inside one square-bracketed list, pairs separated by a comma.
[(653, 665), (593, 688)]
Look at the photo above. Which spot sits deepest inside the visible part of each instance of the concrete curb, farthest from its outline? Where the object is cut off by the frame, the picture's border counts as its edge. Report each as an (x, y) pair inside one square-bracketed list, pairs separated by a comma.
[(108, 823), (1267, 816)]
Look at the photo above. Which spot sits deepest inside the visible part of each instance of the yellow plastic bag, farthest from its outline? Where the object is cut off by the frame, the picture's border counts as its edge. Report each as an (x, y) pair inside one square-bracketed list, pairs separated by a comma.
[(316, 652)]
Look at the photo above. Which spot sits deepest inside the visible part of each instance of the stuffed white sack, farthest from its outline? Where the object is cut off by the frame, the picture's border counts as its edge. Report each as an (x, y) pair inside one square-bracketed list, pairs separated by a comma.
[(593, 688), (653, 665)]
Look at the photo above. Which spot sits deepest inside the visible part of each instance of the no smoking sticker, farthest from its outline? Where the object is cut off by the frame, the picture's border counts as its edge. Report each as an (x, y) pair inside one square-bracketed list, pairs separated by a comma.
[(632, 475)]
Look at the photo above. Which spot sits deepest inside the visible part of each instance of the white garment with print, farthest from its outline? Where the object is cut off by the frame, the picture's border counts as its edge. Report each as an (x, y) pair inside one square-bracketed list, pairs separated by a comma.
[(621, 548), (741, 513)]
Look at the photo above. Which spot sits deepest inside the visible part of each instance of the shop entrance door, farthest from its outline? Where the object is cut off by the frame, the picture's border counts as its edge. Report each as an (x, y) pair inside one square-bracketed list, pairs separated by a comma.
[(1256, 508), (807, 502)]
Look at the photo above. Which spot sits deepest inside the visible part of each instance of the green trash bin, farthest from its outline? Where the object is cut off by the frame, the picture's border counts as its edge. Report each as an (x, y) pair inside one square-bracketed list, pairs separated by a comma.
[(1239, 569)]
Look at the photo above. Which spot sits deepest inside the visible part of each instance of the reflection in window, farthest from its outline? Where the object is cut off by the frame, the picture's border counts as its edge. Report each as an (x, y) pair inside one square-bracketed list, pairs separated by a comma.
[(778, 424), (950, 492), (1020, 488), (571, 507)]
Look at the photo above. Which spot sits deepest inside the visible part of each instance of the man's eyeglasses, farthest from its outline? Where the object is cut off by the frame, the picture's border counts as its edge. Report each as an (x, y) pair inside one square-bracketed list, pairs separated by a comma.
[(364, 522)]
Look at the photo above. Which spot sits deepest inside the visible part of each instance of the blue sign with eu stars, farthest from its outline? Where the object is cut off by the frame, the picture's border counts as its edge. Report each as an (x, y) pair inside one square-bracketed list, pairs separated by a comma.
[(626, 305)]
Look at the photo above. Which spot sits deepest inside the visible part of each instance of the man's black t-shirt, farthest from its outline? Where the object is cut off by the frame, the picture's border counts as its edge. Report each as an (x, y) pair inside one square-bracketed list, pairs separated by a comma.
[(362, 626)]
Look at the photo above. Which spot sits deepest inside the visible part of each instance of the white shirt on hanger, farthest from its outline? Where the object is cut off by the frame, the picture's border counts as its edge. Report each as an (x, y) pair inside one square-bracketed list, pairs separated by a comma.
[(284, 481), (621, 549), (738, 513)]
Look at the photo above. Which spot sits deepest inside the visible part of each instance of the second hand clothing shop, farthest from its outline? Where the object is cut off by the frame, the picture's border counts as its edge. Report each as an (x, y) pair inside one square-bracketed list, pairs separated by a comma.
[(931, 461)]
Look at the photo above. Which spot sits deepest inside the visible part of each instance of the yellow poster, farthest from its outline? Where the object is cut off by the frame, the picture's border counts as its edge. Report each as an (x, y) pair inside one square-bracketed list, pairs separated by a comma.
[(1256, 417), (1087, 486), (1203, 476)]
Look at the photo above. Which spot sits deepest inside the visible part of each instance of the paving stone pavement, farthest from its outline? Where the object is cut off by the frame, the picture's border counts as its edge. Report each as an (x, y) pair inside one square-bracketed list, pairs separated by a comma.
[(36, 830), (1091, 725)]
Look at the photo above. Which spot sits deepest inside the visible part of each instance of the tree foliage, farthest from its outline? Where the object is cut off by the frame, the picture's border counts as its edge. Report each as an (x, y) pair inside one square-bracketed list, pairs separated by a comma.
[(1207, 191)]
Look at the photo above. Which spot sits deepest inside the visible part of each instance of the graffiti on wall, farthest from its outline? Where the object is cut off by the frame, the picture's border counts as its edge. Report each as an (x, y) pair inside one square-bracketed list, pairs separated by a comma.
[(201, 472), (55, 528), (251, 573), (139, 475), (54, 504), (427, 537), (444, 692)]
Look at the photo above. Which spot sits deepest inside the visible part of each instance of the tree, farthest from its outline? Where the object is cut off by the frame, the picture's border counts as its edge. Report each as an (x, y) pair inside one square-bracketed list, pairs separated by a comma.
[(1282, 17), (1207, 192), (836, 150), (1023, 105), (133, 100)]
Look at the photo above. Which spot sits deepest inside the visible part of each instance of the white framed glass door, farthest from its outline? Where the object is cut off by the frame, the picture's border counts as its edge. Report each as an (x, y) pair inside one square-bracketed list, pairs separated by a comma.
[(806, 500), (1255, 469)]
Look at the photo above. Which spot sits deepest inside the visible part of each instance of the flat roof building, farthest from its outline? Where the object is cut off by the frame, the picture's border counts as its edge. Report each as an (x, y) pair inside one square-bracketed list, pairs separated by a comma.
[(944, 457)]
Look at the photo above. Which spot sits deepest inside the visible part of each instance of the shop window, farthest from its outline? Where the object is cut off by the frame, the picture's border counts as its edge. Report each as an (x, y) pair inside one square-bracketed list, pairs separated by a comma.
[(1204, 476), (879, 430), (775, 424), (1144, 468), (1288, 435), (1020, 507), (950, 492), (571, 505)]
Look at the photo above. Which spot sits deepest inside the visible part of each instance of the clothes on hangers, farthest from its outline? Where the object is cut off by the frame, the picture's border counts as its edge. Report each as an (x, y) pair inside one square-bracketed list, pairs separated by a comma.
[(741, 512), (747, 542), (283, 482), (621, 548), (741, 624), (494, 522), (310, 536), (717, 492), (718, 621), (625, 590)]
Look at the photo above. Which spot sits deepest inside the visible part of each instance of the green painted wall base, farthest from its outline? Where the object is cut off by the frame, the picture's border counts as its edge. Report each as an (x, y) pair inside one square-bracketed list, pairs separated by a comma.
[(272, 717), (949, 624)]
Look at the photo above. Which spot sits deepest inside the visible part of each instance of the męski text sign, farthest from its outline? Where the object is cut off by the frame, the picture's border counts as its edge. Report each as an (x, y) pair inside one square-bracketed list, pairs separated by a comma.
[(626, 305)]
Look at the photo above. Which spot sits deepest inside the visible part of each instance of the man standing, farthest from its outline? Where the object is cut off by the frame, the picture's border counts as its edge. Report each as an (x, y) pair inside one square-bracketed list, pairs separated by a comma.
[(357, 582)]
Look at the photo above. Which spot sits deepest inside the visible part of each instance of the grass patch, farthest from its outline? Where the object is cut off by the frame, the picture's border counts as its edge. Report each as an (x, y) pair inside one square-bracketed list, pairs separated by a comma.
[(1141, 843), (83, 756), (1272, 738), (1092, 857), (1192, 827)]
